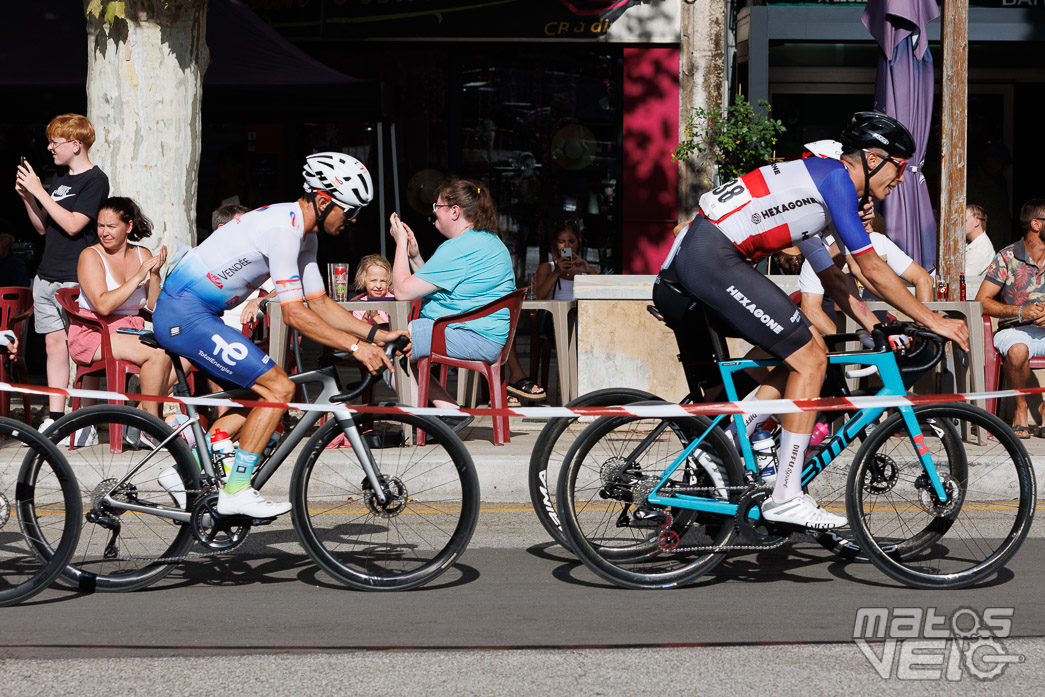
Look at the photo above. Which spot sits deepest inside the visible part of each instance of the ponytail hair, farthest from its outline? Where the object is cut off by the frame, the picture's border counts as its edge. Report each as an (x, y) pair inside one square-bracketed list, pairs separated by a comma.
[(475, 202), (129, 212)]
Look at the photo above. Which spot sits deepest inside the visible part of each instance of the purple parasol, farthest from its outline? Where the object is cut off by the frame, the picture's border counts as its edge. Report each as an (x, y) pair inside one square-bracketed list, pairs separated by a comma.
[(904, 90)]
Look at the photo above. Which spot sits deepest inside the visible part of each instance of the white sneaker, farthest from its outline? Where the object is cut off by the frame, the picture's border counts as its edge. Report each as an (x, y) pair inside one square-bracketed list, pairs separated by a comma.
[(44, 425), (249, 502), (802, 511), (170, 480), (85, 437)]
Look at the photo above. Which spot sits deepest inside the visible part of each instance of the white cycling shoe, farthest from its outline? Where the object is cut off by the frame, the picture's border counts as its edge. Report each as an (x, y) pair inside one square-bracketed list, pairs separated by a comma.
[(803, 512), (250, 503)]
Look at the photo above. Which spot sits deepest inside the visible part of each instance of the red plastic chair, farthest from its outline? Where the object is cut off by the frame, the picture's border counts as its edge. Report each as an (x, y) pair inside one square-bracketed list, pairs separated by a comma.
[(993, 362), (16, 306), (494, 373), (113, 370)]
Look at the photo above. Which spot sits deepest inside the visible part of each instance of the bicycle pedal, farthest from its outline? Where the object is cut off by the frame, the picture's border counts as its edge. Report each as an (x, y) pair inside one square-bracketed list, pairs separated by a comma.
[(645, 518)]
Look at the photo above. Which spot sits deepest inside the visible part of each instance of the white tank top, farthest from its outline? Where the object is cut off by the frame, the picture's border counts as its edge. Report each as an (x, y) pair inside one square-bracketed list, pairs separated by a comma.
[(563, 288), (131, 305)]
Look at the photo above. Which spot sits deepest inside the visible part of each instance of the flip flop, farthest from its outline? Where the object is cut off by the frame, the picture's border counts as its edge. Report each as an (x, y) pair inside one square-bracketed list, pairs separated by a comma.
[(513, 401), (527, 389), (1022, 432)]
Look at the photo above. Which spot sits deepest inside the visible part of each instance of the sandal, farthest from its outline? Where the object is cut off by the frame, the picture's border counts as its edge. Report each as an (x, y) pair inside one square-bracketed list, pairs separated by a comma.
[(513, 401), (1022, 432), (527, 389)]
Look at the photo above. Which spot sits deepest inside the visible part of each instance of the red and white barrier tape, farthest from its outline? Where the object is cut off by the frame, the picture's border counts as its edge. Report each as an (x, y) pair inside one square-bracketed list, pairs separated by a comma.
[(773, 406)]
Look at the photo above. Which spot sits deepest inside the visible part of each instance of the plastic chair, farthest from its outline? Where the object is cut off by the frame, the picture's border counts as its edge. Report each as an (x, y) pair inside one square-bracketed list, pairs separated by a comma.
[(16, 306), (113, 370), (993, 362), (494, 373)]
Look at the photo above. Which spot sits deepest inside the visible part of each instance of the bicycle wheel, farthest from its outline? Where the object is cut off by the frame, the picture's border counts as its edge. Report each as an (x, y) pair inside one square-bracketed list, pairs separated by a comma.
[(422, 529), (830, 486), (912, 537), (121, 549), (24, 572), (603, 489), (550, 448)]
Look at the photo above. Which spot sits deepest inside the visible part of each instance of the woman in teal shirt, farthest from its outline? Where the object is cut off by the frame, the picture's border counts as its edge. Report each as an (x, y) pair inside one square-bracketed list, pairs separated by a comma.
[(470, 269)]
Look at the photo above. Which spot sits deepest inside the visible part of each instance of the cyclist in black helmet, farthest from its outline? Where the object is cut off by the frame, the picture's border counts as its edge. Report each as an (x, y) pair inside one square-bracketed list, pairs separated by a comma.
[(777, 206)]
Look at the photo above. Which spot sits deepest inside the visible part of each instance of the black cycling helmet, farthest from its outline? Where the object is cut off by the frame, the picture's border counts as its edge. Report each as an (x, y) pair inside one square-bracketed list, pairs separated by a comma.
[(873, 129)]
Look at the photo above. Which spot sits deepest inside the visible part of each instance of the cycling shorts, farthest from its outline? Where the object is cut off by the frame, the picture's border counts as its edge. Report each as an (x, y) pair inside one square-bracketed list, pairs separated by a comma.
[(713, 271), (189, 328)]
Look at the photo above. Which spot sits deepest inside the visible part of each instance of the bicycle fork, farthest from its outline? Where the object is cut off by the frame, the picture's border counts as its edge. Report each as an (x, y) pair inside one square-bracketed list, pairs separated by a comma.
[(348, 426)]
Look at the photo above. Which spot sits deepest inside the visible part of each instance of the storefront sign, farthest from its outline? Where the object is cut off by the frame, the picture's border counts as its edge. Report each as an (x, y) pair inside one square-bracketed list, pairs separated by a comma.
[(442, 19)]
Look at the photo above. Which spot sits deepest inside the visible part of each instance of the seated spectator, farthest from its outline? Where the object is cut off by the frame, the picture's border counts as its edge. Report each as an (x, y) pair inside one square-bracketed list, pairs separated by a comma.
[(821, 312), (117, 279), (373, 276), (12, 269), (1014, 291), (978, 248), (470, 269)]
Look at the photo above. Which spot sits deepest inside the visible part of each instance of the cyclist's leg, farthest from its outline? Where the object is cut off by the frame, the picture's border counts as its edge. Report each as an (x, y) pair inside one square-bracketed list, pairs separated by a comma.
[(226, 355), (713, 271)]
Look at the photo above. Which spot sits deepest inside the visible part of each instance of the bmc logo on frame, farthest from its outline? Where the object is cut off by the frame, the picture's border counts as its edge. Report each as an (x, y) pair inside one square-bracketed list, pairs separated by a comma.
[(913, 643)]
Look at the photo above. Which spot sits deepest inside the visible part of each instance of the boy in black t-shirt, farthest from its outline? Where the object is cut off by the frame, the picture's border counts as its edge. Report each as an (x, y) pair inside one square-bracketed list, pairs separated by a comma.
[(64, 212)]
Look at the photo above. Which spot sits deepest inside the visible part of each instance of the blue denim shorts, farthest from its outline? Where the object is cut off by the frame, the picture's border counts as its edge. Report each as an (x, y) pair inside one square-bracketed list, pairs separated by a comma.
[(460, 343)]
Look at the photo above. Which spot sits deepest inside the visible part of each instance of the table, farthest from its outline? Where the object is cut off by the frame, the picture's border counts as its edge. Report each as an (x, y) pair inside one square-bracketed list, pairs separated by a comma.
[(564, 316), (398, 315), (564, 322), (969, 379)]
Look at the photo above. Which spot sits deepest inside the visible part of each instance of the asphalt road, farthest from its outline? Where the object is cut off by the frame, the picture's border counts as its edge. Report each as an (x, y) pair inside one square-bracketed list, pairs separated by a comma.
[(516, 616)]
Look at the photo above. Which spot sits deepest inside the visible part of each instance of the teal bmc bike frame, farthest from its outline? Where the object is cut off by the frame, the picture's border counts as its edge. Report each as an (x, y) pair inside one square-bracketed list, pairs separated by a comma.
[(884, 360)]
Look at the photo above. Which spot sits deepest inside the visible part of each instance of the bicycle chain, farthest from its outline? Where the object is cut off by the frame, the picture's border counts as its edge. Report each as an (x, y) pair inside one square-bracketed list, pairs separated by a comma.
[(718, 548), (187, 555)]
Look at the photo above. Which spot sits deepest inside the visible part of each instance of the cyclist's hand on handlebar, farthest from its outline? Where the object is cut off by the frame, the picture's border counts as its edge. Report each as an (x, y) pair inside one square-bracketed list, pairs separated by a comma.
[(384, 338), (372, 357), (954, 329)]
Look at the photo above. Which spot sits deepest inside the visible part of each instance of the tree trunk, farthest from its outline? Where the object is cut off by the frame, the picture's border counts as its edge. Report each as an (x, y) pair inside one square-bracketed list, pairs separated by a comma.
[(144, 88), (701, 73)]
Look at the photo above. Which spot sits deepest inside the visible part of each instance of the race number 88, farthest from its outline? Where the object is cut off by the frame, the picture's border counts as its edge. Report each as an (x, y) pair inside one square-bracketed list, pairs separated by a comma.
[(728, 190)]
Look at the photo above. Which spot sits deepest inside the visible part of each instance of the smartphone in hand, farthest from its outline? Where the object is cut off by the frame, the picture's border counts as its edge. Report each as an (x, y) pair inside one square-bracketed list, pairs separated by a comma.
[(567, 252)]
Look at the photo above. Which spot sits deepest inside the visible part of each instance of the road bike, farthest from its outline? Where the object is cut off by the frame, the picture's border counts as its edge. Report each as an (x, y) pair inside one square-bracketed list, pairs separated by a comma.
[(937, 496), (381, 514), (33, 470)]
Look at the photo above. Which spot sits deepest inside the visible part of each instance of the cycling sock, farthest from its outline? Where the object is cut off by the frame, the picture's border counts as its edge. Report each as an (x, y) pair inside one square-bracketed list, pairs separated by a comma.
[(792, 455), (242, 467), (750, 425)]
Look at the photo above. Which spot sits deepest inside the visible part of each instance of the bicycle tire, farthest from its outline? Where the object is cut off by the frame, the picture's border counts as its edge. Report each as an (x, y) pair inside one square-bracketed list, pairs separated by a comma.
[(831, 484), (550, 449), (349, 536), (147, 546), (24, 572), (921, 543), (605, 463)]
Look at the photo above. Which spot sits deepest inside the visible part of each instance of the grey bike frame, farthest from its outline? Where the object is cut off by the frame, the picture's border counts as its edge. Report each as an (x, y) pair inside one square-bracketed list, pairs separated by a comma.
[(329, 386)]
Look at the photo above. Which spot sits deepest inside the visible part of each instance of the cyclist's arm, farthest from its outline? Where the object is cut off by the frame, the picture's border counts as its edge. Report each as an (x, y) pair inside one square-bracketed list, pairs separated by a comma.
[(813, 309), (841, 289), (341, 319), (311, 324)]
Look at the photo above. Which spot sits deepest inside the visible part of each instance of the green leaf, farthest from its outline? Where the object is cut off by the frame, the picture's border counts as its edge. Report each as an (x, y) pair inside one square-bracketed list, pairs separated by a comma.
[(95, 8), (114, 10)]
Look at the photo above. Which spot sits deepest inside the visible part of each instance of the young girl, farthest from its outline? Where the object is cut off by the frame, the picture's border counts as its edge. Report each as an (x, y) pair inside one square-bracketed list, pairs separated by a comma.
[(373, 276), (555, 279)]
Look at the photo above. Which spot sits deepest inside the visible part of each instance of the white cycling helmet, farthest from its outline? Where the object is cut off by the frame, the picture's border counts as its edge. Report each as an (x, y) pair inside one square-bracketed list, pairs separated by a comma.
[(343, 177)]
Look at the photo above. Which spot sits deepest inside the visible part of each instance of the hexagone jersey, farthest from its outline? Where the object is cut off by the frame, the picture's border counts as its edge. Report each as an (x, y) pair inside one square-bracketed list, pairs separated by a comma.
[(783, 204), (240, 255)]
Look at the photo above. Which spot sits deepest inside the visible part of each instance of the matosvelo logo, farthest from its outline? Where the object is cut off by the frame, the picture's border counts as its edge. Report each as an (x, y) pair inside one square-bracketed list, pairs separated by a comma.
[(215, 280)]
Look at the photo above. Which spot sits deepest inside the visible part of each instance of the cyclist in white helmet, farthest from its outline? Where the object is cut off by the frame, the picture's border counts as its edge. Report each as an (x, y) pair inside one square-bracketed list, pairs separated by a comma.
[(277, 241)]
